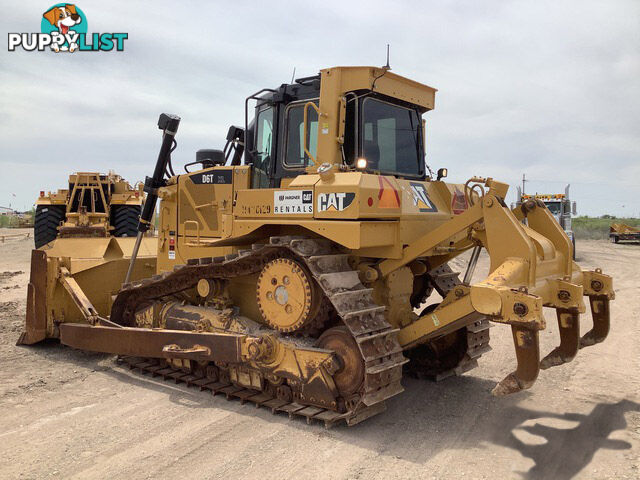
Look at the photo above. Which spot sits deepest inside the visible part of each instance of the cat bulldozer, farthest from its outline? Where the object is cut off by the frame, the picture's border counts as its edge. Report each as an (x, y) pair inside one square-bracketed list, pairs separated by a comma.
[(304, 267)]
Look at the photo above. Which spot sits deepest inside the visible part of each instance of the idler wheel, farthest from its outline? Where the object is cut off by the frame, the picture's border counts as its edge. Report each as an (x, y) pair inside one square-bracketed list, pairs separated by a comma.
[(349, 377)]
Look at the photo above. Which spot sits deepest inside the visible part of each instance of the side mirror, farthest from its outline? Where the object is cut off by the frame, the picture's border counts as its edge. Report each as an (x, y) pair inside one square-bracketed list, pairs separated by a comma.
[(574, 210), (235, 133), (442, 173)]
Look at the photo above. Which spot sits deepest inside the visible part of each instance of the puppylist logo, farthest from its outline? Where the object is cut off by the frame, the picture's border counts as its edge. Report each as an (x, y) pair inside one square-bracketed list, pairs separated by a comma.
[(64, 29)]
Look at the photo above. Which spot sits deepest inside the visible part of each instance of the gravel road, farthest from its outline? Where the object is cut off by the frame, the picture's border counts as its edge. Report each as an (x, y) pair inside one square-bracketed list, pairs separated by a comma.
[(69, 414)]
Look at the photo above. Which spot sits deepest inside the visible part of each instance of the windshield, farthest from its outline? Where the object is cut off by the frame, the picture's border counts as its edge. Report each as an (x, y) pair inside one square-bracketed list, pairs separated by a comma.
[(554, 207), (390, 138)]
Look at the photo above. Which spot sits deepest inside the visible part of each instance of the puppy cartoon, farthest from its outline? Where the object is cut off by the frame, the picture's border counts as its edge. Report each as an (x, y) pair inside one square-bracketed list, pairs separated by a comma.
[(63, 18)]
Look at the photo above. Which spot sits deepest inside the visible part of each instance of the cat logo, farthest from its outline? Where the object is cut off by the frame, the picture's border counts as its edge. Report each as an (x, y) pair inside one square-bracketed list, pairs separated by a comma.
[(334, 201), (421, 199)]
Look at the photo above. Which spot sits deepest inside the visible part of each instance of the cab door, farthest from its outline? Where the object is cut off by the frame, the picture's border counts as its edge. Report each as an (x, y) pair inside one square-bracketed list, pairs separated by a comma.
[(292, 154), (278, 156)]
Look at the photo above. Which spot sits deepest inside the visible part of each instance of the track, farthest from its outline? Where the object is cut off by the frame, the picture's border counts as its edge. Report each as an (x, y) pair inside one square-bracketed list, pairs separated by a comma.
[(352, 302), (347, 298), (455, 353), (156, 368)]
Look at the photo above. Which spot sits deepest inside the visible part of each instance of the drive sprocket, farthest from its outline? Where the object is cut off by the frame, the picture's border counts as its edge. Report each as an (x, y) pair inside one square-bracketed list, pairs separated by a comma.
[(287, 296)]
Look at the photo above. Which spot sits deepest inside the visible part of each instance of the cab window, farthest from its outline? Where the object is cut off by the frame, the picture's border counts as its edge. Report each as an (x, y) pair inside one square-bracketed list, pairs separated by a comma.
[(263, 158), (295, 156), (391, 139)]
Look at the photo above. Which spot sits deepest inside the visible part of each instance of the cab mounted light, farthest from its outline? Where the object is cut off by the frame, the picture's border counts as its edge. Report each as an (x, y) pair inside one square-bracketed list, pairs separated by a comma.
[(442, 173), (361, 163)]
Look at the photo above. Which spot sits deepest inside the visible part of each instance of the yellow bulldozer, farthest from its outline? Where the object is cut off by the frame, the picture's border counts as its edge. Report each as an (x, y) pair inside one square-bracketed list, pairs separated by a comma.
[(304, 267)]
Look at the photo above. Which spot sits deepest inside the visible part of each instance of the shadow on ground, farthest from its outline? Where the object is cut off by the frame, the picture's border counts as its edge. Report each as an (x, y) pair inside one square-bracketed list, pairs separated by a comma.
[(457, 414)]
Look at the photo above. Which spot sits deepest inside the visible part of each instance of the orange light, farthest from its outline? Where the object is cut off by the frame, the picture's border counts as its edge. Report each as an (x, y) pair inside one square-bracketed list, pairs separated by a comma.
[(42, 193)]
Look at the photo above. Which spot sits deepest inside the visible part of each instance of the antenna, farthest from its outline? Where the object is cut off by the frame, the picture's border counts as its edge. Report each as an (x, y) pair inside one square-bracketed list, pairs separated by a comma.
[(387, 66), (293, 75), (385, 69)]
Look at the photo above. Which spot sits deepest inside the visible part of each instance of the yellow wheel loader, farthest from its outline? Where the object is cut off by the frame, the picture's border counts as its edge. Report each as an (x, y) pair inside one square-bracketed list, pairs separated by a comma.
[(298, 267), (94, 205), (84, 233)]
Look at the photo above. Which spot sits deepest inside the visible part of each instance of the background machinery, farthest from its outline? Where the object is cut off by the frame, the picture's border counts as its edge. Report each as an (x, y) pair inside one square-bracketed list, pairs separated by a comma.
[(84, 235), (304, 266), (94, 205), (619, 232)]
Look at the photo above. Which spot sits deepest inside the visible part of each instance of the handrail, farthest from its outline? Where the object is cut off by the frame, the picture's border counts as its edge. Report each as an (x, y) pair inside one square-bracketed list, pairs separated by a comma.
[(246, 114), (184, 230), (305, 131)]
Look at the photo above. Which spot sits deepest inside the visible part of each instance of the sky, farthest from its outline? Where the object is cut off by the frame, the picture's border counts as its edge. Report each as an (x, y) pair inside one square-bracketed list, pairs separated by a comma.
[(547, 89)]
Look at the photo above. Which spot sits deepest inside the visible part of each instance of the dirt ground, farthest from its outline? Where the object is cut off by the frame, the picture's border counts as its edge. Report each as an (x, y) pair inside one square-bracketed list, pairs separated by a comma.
[(69, 414)]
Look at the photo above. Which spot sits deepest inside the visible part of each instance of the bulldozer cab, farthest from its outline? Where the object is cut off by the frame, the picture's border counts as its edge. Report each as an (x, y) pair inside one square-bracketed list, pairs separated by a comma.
[(386, 133), (360, 119)]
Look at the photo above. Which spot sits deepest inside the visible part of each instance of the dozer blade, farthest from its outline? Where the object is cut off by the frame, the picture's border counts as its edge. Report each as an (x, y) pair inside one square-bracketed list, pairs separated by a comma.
[(528, 356), (569, 327), (74, 279)]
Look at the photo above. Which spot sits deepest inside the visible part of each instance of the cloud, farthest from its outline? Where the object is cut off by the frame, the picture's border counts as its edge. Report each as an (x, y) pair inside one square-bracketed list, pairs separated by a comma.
[(544, 88)]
